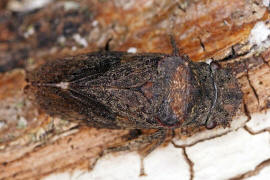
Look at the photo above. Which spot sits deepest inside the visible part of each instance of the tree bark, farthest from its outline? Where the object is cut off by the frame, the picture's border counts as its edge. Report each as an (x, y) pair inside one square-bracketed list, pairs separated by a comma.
[(34, 145)]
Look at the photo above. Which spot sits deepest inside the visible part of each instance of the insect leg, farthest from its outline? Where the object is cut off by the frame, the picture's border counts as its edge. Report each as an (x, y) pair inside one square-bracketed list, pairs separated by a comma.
[(107, 46), (156, 140), (175, 51), (144, 144)]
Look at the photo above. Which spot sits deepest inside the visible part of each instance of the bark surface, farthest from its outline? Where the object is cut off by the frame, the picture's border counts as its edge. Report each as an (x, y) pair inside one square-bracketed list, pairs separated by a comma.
[(34, 145)]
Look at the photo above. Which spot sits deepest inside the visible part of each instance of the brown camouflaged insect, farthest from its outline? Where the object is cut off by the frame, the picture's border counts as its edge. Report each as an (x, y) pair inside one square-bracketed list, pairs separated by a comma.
[(119, 90)]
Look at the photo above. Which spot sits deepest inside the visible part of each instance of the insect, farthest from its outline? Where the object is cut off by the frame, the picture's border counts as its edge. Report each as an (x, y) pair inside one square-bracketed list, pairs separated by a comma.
[(119, 90)]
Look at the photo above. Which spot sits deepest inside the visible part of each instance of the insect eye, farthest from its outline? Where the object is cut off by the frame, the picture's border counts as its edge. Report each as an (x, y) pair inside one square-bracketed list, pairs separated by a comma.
[(215, 66), (210, 124)]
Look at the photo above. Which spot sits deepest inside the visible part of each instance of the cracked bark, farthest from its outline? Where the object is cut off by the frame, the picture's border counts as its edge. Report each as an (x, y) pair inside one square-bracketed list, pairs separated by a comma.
[(254, 172), (190, 163), (23, 146)]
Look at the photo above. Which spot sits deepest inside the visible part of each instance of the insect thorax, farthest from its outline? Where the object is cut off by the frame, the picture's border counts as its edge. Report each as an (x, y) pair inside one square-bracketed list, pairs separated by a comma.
[(194, 94)]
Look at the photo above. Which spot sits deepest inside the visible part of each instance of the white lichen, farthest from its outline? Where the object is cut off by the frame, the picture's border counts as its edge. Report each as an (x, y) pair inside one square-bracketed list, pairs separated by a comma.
[(95, 23), (266, 3), (80, 40), (259, 35), (132, 50), (26, 5), (22, 123), (30, 31), (61, 40), (71, 5), (208, 61), (2, 124)]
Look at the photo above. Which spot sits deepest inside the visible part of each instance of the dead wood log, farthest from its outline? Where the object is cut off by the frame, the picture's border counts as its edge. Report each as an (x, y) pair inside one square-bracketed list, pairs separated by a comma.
[(33, 145)]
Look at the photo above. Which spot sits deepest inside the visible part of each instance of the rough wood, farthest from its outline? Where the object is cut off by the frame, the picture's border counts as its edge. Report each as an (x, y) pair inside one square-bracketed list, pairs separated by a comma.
[(33, 145)]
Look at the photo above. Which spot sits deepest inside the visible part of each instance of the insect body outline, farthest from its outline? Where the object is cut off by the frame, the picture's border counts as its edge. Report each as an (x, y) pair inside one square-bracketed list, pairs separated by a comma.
[(119, 90)]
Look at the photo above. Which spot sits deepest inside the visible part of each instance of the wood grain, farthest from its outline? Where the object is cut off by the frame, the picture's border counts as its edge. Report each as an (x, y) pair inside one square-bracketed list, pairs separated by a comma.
[(33, 145)]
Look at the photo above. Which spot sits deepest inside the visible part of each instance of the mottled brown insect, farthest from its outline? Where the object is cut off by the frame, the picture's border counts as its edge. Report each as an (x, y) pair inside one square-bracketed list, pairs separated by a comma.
[(119, 90)]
